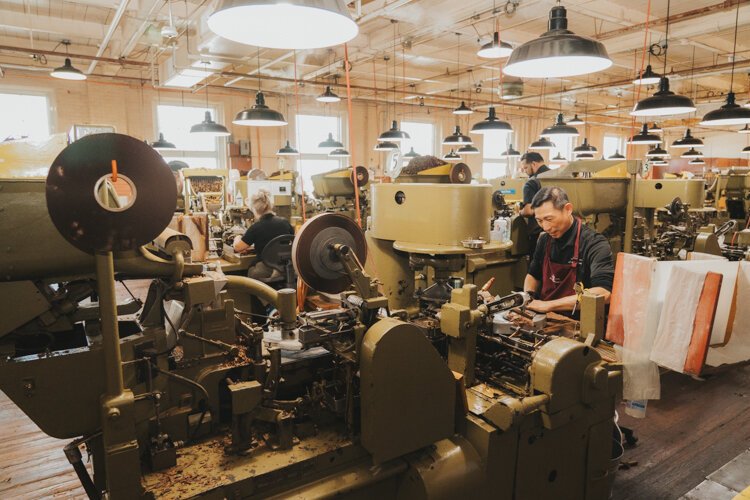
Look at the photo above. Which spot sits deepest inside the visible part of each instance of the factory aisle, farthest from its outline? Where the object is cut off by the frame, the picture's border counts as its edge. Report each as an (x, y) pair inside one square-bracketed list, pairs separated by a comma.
[(33, 465), (693, 431)]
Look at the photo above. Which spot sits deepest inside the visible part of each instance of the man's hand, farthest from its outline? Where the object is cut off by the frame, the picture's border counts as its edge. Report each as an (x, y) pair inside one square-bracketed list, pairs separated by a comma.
[(485, 296), (541, 306)]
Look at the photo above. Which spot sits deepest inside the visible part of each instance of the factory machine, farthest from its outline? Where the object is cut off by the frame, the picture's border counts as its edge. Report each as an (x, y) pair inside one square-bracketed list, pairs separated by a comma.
[(194, 394), (335, 191)]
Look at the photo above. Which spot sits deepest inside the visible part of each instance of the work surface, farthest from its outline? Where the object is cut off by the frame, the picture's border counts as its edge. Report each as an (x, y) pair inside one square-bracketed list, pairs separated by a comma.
[(695, 429)]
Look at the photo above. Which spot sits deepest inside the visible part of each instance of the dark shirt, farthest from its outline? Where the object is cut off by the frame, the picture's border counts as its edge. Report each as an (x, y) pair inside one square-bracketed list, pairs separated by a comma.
[(264, 230), (531, 188), (595, 267)]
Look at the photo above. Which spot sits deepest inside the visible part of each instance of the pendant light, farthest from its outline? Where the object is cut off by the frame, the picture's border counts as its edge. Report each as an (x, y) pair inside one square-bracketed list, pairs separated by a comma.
[(656, 129), (616, 156), (585, 147), (394, 134), (330, 143), (542, 144), (586, 155), (208, 126), (492, 124), (744, 130), (293, 24), (452, 156), (648, 77), (287, 150), (657, 152), (162, 143), (560, 130), (558, 52), (386, 146), (463, 109), (730, 113), (457, 138), (259, 115), (664, 102), (510, 152), (697, 161), (67, 71), (745, 150), (576, 121), (339, 153), (468, 150), (658, 161), (691, 153), (644, 138), (495, 49), (559, 158), (687, 142), (411, 153), (328, 96)]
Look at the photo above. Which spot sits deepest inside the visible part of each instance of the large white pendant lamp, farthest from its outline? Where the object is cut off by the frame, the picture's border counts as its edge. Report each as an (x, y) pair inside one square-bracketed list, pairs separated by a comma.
[(289, 24)]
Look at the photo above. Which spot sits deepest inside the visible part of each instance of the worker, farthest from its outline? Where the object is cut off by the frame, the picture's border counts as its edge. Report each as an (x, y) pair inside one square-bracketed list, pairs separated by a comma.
[(568, 252), (266, 227), (533, 165)]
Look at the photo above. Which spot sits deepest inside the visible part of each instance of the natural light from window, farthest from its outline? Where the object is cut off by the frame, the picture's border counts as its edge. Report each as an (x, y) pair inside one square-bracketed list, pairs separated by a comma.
[(422, 138), (494, 164), (611, 145), (197, 150), (24, 116), (311, 131)]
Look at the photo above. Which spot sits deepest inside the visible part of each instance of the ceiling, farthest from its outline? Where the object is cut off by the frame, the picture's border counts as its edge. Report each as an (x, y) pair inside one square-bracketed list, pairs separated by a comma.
[(410, 51)]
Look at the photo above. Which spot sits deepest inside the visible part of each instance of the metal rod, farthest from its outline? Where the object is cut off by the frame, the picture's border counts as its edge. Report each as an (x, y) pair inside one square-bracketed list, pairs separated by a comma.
[(105, 280)]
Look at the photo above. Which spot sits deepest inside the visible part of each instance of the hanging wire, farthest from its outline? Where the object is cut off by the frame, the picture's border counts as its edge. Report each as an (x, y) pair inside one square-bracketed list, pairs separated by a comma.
[(637, 94), (734, 48)]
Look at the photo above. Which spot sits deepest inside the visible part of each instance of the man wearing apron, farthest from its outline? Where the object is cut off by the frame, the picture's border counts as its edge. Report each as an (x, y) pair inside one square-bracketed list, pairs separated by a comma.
[(567, 252)]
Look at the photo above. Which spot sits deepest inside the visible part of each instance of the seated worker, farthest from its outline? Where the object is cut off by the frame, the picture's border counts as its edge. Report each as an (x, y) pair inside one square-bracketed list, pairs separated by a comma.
[(568, 251), (266, 227)]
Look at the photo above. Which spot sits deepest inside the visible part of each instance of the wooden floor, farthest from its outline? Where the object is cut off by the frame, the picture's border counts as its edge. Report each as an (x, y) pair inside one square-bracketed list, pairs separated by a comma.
[(696, 428), (32, 464)]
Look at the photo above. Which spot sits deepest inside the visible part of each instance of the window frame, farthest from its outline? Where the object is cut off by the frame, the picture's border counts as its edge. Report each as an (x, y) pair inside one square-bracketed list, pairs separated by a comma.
[(435, 136), (219, 153), (300, 163), (50, 105)]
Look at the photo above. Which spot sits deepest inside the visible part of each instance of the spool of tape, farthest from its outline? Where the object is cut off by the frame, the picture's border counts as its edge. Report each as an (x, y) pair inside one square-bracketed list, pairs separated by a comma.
[(110, 192)]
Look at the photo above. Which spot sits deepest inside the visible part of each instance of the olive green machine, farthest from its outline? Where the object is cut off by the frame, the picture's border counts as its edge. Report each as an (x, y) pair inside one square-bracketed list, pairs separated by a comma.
[(196, 392)]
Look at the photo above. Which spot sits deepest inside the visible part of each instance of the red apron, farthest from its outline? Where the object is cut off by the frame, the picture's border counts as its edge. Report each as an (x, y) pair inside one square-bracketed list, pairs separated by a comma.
[(558, 279)]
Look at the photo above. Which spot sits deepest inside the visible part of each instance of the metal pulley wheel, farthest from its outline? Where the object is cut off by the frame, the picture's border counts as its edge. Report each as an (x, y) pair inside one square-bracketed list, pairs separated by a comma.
[(314, 258), (460, 173), (363, 176)]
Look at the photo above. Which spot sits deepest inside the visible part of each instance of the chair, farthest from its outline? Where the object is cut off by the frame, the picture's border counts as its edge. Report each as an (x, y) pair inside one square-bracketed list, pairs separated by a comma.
[(277, 255)]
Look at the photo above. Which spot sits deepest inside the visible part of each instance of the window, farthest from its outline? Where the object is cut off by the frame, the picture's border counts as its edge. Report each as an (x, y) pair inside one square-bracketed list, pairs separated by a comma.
[(422, 138), (24, 115), (563, 146), (494, 165), (611, 145), (197, 150), (311, 131)]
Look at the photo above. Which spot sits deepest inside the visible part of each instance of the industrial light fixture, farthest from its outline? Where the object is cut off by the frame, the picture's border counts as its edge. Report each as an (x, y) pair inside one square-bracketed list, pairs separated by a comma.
[(664, 102), (510, 152), (697, 161), (495, 49), (558, 52), (659, 161), (394, 134), (643, 137), (457, 138), (463, 109), (468, 150), (616, 156), (411, 153), (259, 115), (745, 150), (67, 71), (691, 153), (648, 77), (585, 147), (330, 143), (559, 158), (287, 150), (730, 113), (585, 156), (542, 144), (687, 142), (560, 130), (209, 127), (510, 89), (656, 129), (491, 124), (339, 153), (386, 146), (328, 96), (162, 143), (284, 25), (745, 130), (576, 121), (657, 152), (452, 156)]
